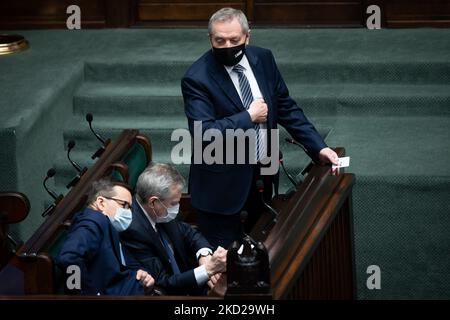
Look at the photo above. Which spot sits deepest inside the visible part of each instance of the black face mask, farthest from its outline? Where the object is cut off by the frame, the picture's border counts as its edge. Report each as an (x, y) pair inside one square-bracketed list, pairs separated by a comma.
[(229, 56)]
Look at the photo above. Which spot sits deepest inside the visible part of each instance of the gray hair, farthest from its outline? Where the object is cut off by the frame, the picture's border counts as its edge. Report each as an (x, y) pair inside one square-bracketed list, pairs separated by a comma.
[(157, 180), (228, 14)]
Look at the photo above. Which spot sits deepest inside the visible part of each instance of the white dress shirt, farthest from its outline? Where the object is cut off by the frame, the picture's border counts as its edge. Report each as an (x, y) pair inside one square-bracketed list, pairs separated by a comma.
[(201, 276), (256, 92)]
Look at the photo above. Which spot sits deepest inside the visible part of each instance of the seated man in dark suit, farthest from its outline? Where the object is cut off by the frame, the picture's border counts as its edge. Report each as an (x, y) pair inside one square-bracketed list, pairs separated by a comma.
[(165, 245), (93, 244)]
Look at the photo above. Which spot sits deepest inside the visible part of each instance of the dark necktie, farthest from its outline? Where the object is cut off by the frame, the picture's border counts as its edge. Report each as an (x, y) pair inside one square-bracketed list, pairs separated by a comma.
[(247, 99), (165, 241)]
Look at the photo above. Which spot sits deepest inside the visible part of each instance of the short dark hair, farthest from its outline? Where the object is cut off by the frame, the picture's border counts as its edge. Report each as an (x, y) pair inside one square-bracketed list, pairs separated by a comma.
[(104, 187)]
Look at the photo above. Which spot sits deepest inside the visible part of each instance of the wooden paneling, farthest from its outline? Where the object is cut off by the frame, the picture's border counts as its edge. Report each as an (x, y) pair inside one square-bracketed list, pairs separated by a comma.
[(324, 12), (177, 11), (413, 13), (50, 13), (416, 13)]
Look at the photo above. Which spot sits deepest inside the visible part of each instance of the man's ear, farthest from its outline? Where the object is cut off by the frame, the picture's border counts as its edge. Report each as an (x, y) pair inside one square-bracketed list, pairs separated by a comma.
[(100, 203), (247, 41), (151, 201)]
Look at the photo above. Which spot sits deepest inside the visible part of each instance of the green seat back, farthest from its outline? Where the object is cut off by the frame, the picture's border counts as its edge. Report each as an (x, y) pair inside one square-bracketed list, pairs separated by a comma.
[(136, 160)]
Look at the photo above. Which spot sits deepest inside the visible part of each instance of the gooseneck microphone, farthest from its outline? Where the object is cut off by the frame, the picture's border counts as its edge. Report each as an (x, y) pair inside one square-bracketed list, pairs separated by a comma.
[(292, 141), (298, 144), (290, 177), (99, 152), (89, 118), (274, 218), (50, 173), (243, 217), (70, 146), (260, 187), (77, 167)]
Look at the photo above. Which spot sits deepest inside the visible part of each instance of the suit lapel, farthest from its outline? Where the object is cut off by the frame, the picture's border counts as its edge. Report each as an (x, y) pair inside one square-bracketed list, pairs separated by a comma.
[(258, 71), (145, 223), (114, 237), (221, 76)]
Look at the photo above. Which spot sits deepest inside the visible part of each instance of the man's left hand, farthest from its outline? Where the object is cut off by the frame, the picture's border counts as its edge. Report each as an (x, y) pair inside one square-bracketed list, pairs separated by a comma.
[(327, 155)]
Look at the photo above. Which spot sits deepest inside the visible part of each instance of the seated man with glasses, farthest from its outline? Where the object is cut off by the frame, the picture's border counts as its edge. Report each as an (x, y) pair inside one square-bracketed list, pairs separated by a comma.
[(93, 244)]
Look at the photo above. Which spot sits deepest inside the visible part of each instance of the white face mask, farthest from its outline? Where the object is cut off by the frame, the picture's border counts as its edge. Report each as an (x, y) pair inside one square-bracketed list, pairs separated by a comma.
[(172, 213), (122, 220)]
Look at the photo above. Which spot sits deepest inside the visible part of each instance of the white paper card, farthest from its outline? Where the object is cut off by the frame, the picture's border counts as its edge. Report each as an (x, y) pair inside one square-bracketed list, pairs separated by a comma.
[(342, 163)]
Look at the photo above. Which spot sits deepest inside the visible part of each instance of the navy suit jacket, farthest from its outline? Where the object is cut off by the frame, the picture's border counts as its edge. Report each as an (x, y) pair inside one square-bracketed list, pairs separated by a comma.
[(145, 245), (210, 96), (93, 244)]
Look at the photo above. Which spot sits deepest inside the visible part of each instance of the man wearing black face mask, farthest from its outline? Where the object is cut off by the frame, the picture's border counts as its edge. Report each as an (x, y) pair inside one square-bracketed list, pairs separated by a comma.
[(237, 86)]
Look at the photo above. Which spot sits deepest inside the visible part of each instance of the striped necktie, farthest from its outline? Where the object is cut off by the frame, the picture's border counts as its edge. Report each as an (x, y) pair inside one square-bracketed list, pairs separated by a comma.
[(247, 99)]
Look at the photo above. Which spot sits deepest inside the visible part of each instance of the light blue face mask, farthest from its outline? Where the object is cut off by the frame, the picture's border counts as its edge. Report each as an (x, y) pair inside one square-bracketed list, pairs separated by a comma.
[(172, 213), (122, 220)]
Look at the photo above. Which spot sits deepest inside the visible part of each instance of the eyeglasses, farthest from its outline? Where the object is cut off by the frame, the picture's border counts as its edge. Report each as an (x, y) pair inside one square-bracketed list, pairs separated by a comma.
[(124, 204)]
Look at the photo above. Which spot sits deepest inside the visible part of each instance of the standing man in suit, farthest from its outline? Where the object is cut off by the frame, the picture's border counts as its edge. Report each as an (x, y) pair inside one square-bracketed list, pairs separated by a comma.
[(238, 86), (93, 244), (178, 256)]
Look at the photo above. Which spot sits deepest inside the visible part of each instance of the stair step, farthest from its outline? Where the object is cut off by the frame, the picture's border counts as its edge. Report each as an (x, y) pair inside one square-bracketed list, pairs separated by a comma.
[(127, 100), (304, 71), (395, 146)]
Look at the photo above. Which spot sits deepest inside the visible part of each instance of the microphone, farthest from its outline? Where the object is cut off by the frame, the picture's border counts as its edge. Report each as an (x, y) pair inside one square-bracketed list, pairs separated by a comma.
[(50, 173), (243, 216), (77, 167), (100, 150), (271, 222), (290, 177), (260, 187), (70, 146), (292, 141), (89, 118)]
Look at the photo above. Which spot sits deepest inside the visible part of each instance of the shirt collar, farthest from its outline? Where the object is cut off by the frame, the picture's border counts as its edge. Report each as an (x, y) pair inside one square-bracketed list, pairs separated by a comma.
[(244, 62), (153, 223)]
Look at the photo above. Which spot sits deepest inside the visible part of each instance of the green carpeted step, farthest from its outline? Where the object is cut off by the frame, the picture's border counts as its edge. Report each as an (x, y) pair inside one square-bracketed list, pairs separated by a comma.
[(354, 99), (401, 225), (122, 100), (380, 72), (125, 100), (151, 72), (395, 146), (304, 71)]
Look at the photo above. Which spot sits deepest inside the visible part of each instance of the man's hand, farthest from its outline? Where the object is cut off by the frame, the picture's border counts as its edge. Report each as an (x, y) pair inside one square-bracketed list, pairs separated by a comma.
[(213, 280), (327, 155), (146, 280), (217, 262), (258, 111), (204, 260)]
